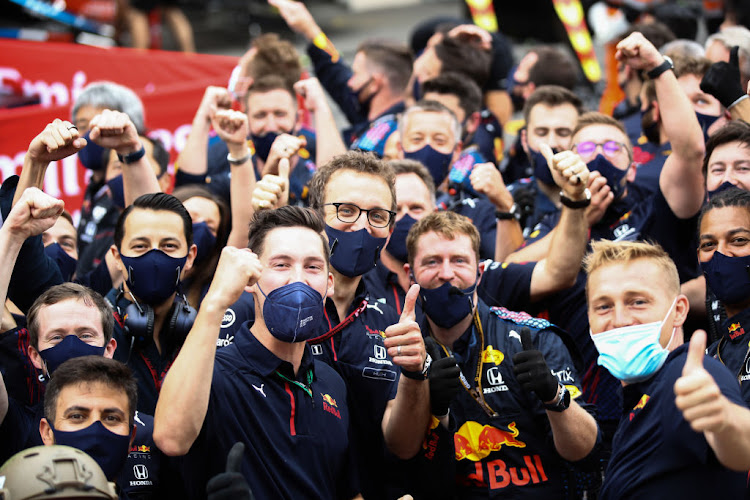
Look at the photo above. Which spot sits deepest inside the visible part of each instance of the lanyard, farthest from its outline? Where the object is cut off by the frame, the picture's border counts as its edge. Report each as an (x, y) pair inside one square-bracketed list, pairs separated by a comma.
[(744, 362), (476, 392), (305, 387), (347, 321)]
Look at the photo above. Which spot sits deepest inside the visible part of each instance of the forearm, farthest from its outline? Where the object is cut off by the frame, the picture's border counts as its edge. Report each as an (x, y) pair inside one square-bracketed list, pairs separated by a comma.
[(534, 252), (574, 432), (732, 444), (241, 187), (509, 237), (32, 175), (9, 250), (3, 399), (328, 138), (193, 159), (498, 101), (407, 418), (183, 400), (138, 178), (567, 247)]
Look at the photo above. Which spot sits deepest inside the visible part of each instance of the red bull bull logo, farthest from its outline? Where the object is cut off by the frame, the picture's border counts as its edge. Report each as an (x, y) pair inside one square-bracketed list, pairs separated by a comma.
[(140, 449), (329, 405), (641, 404), (475, 441), (328, 399), (736, 330), (491, 355)]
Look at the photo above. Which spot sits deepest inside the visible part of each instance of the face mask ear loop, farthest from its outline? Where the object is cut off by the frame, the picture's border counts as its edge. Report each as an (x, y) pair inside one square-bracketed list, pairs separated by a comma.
[(674, 329)]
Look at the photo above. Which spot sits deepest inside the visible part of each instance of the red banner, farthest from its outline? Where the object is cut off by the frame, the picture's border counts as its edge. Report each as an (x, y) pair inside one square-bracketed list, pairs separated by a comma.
[(170, 84)]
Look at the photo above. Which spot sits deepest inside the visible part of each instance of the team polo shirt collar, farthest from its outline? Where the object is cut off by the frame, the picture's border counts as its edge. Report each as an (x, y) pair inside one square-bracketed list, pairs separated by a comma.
[(733, 328), (265, 362)]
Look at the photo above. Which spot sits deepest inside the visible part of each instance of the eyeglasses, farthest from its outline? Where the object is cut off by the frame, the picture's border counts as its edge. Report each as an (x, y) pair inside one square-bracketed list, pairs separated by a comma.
[(610, 148), (349, 213)]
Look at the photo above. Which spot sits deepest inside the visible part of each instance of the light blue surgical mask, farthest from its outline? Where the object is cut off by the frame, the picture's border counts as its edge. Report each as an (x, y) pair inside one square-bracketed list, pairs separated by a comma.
[(633, 353)]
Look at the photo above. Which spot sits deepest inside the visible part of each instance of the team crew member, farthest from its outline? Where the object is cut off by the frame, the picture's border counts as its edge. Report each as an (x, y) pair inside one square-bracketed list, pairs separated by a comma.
[(509, 442), (683, 446), (355, 193), (266, 389)]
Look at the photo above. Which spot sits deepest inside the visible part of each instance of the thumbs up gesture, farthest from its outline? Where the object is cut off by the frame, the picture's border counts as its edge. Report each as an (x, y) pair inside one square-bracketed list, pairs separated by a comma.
[(532, 372), (698, 396), (272, 191), (404, 339), (230, 485), (569, 171)]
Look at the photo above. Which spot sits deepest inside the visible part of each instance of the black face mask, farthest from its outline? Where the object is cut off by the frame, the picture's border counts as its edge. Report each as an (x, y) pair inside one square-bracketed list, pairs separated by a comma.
[(649, 126)]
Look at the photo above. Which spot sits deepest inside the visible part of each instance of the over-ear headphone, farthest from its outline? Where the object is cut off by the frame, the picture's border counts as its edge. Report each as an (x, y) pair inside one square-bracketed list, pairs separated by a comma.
[(138, 320)]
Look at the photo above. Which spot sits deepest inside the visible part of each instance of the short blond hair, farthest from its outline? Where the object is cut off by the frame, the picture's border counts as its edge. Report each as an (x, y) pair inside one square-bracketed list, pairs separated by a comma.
[(448, 225), (606, 252)]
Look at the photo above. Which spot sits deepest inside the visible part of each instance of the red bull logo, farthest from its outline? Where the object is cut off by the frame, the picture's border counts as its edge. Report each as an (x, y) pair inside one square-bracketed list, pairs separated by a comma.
[(641, 404), (475, 441), (140, 449), (735, 330), (328, 399), (497, 474), (373, 331), (329, 405), (491, 355)]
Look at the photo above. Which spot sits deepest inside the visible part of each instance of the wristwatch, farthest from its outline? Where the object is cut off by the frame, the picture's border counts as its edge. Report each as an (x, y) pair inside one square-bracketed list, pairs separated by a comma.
[(511, 214), (576, 203), (563, 401), (665, 66), (132, 157), (421, 375)]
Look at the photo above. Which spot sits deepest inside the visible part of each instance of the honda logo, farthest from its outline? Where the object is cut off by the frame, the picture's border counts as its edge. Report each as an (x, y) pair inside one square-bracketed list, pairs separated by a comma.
[(494, 377), (140, 471), (380, 352)]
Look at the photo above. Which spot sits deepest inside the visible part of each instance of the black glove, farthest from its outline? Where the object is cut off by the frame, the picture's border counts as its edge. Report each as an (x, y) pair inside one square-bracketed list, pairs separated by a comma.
[(532, 371), (722, 80), (444, 379), (230, 485)]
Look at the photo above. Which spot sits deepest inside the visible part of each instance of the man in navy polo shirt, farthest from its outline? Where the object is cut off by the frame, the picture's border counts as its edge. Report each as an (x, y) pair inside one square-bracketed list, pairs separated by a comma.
[(355, 193), (683, 447), (266, 389)]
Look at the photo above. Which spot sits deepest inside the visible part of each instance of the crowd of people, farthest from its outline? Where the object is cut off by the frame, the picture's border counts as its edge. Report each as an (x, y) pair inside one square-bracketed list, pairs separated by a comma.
[(407, 308)]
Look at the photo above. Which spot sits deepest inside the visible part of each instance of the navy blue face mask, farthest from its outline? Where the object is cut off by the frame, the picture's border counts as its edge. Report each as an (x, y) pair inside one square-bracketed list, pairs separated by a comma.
[(117, 190), (353, 253), (65, 262), (649, 127), (435, 161), (541, 168), (293, 312), (153, 277), (70, 347), (204, 240), (447, 305), (705, 122), (613, 174), (93, 156), (364, 104), (397, 244), (263, 143), (724, 186), (728, 277), (110, 450)]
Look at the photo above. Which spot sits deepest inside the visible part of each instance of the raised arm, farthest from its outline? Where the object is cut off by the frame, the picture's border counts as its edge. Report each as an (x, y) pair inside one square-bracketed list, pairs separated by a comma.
[(232, 128), (183, 400), (681, 180), (115, 130), (328, 139)]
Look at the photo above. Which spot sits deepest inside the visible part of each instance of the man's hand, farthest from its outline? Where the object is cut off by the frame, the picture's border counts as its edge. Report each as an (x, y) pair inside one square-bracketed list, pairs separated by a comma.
[(532, 372), (58, 140), (231, 126), (214, 99), (722, 80), (404, 339), (231, 484), (313, 93), (238, 268), (284, 146), (569, 171), (297, 17), (444, 379), (698, 396), (601, 198), (272, 191), (486, 179), (114, 130), (34, 213), (638, 53)]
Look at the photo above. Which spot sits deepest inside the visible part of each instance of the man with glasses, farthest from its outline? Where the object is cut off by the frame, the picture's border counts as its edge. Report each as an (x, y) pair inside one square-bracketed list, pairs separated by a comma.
[(380, 356)]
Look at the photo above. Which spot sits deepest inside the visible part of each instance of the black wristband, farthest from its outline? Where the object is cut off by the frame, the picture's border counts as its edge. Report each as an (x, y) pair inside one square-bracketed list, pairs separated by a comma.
[(576, 204), (419, 375), (512, 214), (664, 66), (132, 157)]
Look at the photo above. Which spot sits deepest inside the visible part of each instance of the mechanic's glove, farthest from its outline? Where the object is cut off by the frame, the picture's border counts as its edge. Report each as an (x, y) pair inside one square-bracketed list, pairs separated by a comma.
[(230, 485), (531, 370), (722, 80), (443, 377)]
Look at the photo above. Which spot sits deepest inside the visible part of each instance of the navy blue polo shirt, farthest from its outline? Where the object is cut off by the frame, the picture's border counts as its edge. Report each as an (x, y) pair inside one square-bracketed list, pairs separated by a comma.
[(384, 288), (295, 428), (655, 452), (733, 350), (234, 319), (357, 352), (507, 284), (647, 175)]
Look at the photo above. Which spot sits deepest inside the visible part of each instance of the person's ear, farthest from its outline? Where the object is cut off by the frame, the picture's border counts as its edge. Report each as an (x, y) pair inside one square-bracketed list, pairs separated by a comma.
[(472, 122), (681, 309), (190, 259), (109, 349), (45, 431), (331, 283), (117, 260), (525, 140), (407, 270), (36, 358)]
